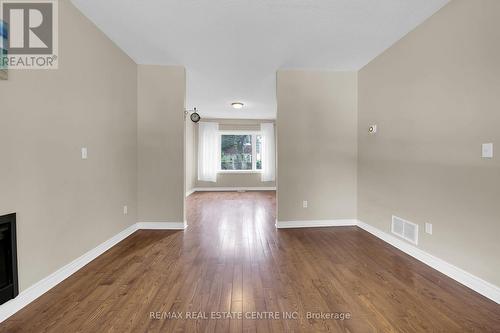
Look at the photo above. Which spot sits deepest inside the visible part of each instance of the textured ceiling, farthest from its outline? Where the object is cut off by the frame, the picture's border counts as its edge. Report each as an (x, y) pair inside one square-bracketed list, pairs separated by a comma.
[(232, 48)]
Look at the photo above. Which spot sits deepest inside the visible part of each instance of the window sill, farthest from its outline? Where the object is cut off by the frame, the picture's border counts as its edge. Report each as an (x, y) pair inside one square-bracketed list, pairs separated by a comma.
[(239, 171)]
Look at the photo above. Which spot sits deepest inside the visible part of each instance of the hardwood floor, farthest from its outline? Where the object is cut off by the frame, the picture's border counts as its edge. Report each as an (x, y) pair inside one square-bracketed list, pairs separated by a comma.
[(232, 259)]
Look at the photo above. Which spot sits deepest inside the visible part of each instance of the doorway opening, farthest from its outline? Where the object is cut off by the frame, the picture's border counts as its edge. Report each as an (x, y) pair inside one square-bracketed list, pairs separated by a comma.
[(230, 160)]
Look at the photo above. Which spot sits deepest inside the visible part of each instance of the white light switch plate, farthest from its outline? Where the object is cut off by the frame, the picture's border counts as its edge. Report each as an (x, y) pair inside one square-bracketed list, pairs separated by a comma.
[(125, 210), (428, 228), (304, 204), (84, 153), (487, 150)]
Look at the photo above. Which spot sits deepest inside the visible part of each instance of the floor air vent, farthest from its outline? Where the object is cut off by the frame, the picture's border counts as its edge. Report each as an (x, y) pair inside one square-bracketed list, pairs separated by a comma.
[(405, 229)]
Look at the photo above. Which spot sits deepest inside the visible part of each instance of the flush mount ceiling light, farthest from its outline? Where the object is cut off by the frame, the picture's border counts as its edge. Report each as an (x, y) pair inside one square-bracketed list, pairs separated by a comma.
[(237, 105)]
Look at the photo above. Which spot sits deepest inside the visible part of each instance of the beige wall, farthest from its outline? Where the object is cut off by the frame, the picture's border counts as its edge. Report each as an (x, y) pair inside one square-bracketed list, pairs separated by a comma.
[(66, 205), (161, 97), (317, 145), (435, 98), (233, 179)]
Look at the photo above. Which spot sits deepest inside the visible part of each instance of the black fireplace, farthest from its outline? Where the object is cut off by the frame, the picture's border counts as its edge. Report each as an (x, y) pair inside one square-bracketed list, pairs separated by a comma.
[(8, 258)]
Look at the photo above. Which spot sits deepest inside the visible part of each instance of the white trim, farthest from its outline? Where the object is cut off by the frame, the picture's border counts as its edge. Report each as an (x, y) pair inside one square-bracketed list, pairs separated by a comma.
[(239, 171), (188, 193), (467, 279), (316, 223), (240, 132), (28, 295), (36, 290), (233, 189), (162, 225)]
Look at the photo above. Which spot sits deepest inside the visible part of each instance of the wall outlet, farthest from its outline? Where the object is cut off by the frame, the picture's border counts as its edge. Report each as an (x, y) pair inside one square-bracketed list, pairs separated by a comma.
[(304, 204), (487, 150), (84, 153), (428, 228), (125, 210)]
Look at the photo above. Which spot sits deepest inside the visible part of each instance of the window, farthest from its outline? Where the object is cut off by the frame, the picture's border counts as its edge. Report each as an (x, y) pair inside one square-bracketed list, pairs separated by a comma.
[(240, 152), (236, 152)]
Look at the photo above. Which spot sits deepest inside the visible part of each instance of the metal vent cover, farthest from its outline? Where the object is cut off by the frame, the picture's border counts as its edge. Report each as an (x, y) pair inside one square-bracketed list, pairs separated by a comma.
[(405, 229)]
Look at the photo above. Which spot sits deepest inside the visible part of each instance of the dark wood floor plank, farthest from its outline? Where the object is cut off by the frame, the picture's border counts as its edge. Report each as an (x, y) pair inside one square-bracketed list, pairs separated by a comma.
[(232, 259)]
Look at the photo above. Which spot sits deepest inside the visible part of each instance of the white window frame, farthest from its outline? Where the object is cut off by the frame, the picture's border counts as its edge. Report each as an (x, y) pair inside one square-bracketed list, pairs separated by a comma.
[(254, 135)]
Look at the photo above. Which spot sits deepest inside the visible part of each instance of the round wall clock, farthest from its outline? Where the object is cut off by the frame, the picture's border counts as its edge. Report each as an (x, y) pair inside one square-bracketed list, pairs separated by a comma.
[(195, 117)]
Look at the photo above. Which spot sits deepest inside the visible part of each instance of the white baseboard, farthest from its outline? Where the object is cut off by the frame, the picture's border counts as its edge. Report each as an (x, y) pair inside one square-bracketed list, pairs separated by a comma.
[(233, 189), (41, 287), (162, 225), (188, 193), (467, 279), (33, 292), (316, 223)]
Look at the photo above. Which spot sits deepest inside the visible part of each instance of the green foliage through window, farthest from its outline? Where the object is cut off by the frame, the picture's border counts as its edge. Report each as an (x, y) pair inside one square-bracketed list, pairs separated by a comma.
[(237, 152)]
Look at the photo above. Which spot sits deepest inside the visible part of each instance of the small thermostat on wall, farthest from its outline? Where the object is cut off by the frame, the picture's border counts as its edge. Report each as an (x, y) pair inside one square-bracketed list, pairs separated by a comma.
[(372, 129)]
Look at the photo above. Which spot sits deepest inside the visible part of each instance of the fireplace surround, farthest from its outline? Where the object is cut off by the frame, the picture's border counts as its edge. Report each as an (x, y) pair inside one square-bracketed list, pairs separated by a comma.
[(8, 258)]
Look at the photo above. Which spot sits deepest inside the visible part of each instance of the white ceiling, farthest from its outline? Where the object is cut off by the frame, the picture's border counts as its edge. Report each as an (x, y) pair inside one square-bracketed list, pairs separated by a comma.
[(232, 48)]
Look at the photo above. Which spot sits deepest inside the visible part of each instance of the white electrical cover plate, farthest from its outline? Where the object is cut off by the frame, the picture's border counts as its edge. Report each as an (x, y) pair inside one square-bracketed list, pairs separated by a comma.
[(487, 150), (84, 153)]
